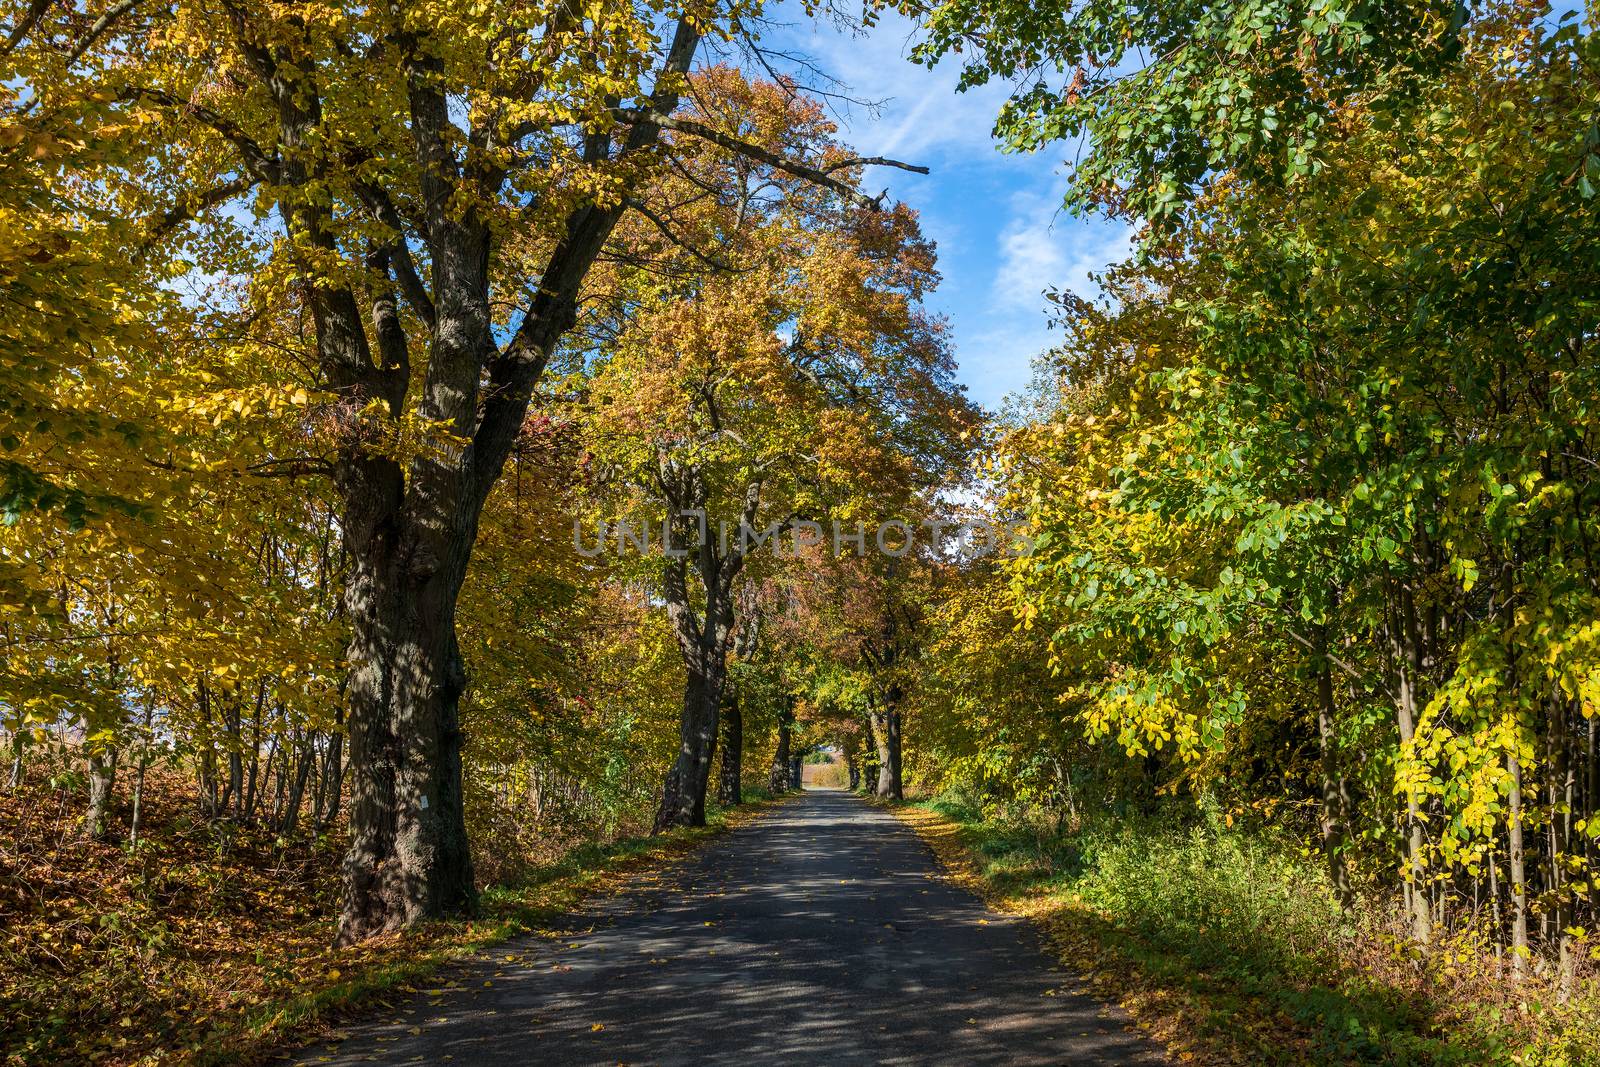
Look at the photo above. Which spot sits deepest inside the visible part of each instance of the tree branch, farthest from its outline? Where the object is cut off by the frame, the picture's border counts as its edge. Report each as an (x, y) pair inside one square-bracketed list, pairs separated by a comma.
[(191, 208), (101, 25), (262, 167), (661, 225), (772, 159)]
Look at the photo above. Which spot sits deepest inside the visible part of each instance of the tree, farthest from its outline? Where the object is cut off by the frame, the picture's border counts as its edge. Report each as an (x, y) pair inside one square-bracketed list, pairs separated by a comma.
[(1325, 463), (1166, 96), (804, 380), (438, 264)]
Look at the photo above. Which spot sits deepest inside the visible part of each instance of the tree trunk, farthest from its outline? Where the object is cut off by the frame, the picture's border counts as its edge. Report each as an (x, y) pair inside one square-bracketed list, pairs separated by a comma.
[(408, 856), (778, 776), (1403, 643), (290, 817), (102, 777), (1517, 868), (1561, 797), (683, 797), (730, 787), (869, 756), (886, 732), (136, 821), (331, 788), (1333, 790)]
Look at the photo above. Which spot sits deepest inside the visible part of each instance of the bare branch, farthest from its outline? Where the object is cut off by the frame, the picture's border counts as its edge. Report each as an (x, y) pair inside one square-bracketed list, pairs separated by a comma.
[(778, 162), (191, 208)]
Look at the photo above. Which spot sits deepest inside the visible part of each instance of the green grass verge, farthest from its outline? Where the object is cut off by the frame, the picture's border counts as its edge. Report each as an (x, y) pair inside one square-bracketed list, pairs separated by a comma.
[(1231, 950)]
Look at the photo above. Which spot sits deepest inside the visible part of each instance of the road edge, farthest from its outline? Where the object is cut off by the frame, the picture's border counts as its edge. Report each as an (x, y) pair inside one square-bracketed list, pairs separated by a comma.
[(1158, 1014), (274, 1028)]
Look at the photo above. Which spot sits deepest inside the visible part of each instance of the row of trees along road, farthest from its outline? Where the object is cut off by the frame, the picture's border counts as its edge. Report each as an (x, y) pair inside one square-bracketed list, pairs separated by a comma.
[(325, 303), (327, 298)]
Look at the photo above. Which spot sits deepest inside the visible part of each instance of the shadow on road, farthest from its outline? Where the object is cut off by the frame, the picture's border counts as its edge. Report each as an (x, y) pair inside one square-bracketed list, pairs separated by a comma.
[(821, 932)]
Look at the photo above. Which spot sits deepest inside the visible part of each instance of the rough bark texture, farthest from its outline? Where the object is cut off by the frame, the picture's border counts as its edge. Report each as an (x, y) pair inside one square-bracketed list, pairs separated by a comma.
[(778, 775), (730, 785), (886, 733), (102, 778), (408, 857), (683, 799)]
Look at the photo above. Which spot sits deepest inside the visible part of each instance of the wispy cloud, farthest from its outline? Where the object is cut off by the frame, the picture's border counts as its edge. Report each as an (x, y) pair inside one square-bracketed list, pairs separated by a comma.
[(1002, 240)]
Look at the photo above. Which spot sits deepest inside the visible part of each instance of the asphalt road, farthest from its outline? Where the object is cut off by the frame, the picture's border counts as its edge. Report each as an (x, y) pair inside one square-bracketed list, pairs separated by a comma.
[(823, 932)]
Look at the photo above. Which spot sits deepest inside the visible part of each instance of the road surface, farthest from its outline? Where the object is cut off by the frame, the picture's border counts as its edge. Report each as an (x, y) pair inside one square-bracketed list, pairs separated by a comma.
[(820, 933)]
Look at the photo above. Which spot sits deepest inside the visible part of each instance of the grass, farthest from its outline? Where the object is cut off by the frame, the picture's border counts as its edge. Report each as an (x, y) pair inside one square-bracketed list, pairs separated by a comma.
[(210, 943), (1233, 951)]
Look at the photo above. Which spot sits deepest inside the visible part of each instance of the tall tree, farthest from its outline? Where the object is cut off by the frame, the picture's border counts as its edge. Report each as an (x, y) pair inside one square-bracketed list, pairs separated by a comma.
[(441, 182), (784, 369)]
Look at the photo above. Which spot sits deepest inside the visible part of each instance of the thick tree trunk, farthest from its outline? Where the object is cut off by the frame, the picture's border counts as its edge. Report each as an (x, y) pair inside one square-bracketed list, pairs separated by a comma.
[(102, 778), (730, 787), (408, 856), (886, 733), (778, 776), (683, 797)]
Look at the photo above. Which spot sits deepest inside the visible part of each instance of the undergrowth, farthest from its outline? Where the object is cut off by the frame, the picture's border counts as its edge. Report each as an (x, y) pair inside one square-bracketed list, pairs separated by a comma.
[(1233, 949), (210, 942)]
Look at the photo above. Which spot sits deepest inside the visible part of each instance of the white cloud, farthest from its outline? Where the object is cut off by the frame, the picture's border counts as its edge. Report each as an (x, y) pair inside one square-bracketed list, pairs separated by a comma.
[(1002, 239), (920, 117), (1042, 247)]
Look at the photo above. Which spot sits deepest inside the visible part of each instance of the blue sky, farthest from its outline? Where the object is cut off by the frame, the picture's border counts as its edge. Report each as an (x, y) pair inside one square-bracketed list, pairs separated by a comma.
[(1002, 238)]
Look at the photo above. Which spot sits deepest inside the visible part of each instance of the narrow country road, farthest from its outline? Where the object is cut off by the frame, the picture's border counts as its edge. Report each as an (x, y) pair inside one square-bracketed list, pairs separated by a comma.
[(822, 932)]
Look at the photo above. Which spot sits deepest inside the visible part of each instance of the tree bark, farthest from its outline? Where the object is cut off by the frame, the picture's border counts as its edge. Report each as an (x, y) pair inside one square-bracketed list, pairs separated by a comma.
[(1404, 646), (408, 856), (1517, 868), (730, 785), (136, 821), (102, 778), (886, 733), (778, 776), (683, 796), (1333, 789)]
